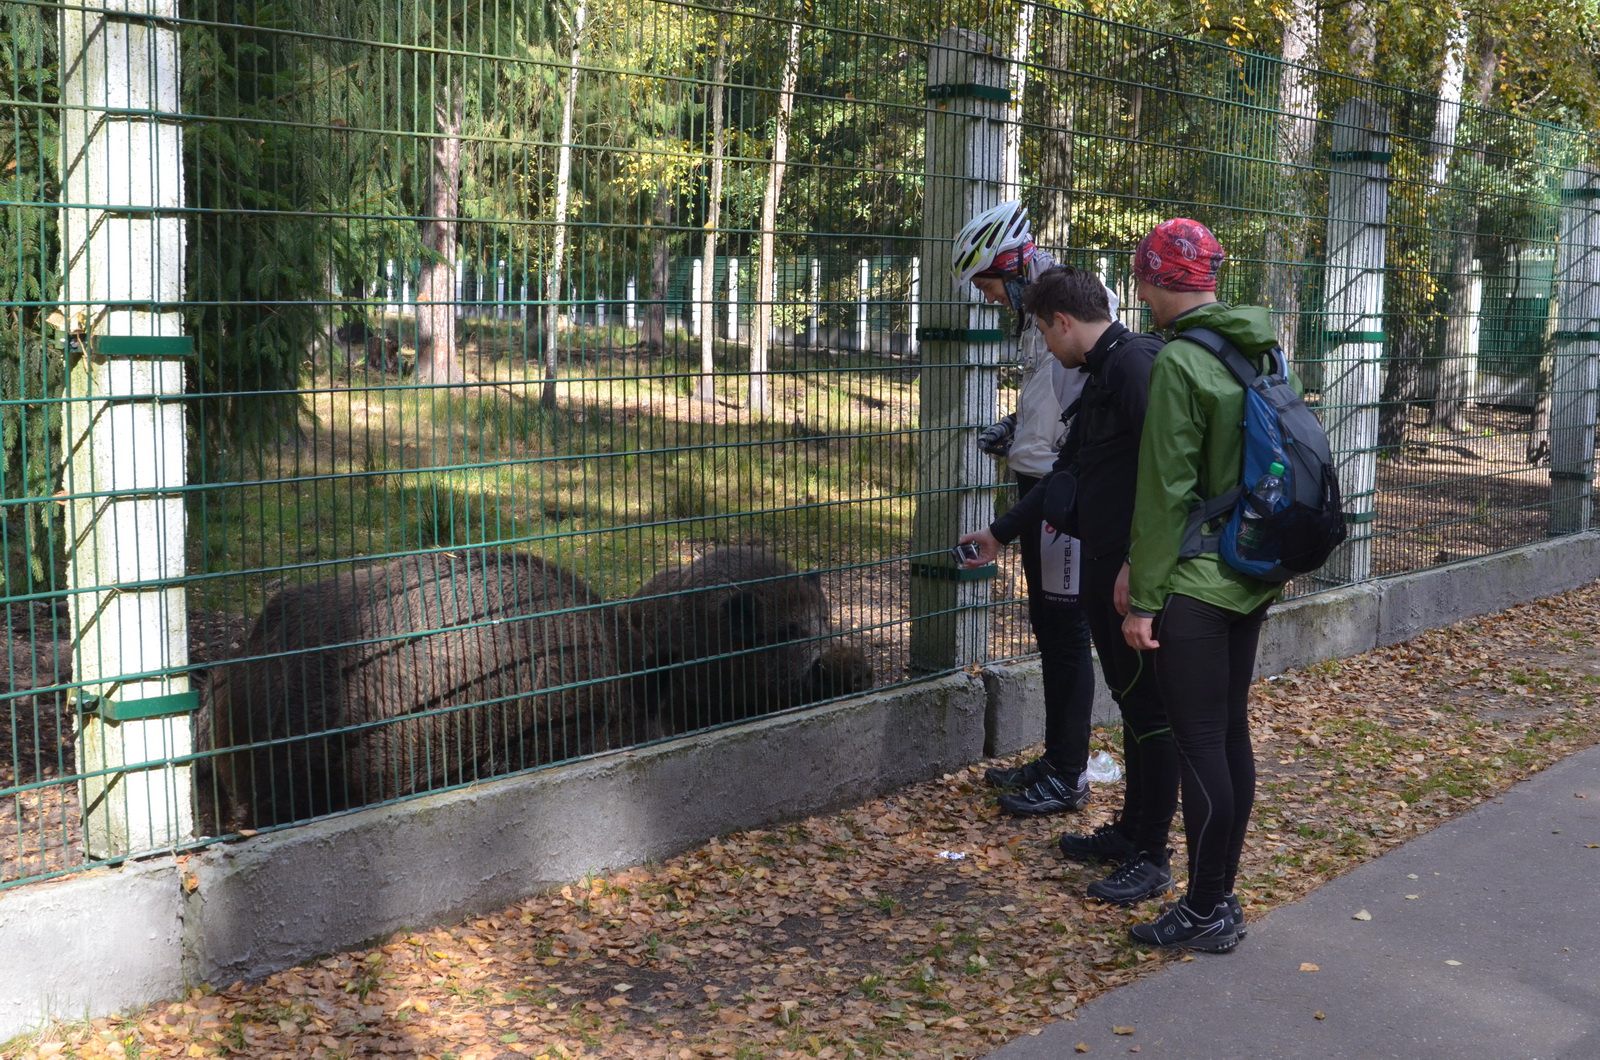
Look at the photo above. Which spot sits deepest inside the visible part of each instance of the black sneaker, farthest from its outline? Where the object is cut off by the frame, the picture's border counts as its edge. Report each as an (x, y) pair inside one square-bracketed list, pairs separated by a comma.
[(1103, 844), (1236, 911), (1019, 776), (1181, 928), (1135, 880), (1050, 795)]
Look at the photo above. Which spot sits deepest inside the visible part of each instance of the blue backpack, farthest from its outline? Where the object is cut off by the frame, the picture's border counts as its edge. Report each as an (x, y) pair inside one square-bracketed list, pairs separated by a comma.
[(1284, 518)]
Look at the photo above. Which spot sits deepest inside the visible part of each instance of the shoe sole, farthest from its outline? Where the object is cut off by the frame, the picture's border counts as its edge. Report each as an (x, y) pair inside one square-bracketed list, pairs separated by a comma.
[(1154, 892), (1224, 945), (1045, 810)]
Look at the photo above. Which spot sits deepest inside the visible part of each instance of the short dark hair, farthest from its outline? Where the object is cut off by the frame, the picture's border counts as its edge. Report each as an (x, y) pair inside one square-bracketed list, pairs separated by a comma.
[(1064, 289)]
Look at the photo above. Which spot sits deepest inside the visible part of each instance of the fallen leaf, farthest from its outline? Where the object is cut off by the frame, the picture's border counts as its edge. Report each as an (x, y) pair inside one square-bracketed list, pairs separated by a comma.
[(1121, 1030), (1319, 1015), (1412, 897), (1361, 915), (1307, 966), (1453, 964), (1081, 1047)]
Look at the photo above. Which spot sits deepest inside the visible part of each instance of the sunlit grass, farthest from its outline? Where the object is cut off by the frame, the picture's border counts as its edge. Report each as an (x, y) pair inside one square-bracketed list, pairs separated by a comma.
[(628, 472)]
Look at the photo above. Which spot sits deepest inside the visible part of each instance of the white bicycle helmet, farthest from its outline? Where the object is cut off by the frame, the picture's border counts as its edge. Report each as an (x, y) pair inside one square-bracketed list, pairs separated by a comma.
[(986, 236)]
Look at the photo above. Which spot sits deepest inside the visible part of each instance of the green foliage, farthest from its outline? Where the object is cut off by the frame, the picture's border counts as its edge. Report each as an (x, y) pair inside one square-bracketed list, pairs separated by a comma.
[(32, 352)]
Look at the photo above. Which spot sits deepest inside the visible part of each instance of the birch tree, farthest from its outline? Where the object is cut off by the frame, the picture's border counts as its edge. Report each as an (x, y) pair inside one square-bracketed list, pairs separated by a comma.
[(554, 273), (761, 324), (1287, 228), (705, 389)]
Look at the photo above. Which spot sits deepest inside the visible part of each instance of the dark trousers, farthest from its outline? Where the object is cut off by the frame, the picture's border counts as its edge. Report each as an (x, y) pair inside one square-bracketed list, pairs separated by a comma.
[(1062, 634), (1204, 667), (1150, 755)]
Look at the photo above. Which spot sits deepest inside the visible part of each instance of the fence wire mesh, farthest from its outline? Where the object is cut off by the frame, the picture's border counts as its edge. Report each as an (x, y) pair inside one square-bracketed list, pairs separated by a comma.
[(400, 394)]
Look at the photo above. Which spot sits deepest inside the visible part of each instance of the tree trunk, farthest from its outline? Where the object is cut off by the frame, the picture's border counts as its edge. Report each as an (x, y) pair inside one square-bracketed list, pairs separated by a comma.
[(761, 324), (705, 388), (554, 273), (1052, 215), (1452, 370), (1287, 230), (663, 215), (437, 359), (1020, 47), (1361, 39)]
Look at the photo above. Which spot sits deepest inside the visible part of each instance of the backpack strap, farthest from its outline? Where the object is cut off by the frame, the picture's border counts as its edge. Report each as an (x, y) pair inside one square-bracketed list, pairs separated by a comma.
[(1196, 542)]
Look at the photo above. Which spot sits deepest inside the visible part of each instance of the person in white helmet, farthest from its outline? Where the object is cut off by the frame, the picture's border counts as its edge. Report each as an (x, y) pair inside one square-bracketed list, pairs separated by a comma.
[(996, 254)]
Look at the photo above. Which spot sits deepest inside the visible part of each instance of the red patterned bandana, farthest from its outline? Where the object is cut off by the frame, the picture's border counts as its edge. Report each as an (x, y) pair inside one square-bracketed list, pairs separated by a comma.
[(1179, 255), (1009, 261)]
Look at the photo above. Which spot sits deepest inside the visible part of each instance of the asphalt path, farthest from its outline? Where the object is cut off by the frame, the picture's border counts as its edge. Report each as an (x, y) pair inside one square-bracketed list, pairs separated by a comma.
[(1479, 939)]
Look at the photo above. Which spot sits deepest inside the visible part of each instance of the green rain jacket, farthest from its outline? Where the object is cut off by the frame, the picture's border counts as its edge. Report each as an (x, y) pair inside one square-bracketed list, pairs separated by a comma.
[(1191, 450)]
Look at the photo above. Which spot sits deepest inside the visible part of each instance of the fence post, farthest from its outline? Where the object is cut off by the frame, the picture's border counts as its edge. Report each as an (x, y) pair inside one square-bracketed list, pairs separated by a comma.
[(1575, 374), (1358, 209), (122, 260), (961, 344), (632, 314), (916, 298), (696, 277), (816, 302), (500, 288), (863, 284), (733, 299)]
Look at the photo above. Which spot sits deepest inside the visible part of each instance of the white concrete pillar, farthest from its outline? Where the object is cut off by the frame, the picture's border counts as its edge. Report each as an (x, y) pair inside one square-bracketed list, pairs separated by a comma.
[(390, 290), (631, 317), (123, 423), (696, 310), (733, 299), (863, 285), (1358, 206), (1574, 376), (916, 308), (500, 288), (1474, 328), (815, 295), (461, 287), (962, 346)]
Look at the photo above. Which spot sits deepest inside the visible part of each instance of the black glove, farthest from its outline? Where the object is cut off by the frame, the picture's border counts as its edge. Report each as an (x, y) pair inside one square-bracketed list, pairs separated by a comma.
[(996, 440)]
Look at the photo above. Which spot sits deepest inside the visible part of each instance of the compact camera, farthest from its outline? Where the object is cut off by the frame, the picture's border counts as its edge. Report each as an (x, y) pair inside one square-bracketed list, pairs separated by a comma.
[(965, 554)]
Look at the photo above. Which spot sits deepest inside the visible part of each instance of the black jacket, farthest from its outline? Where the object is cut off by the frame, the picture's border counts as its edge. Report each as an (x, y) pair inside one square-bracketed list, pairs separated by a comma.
[(1102, 446)]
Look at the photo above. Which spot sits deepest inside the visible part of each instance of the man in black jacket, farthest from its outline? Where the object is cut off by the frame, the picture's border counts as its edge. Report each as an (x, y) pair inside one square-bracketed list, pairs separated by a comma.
[(1102, 453)]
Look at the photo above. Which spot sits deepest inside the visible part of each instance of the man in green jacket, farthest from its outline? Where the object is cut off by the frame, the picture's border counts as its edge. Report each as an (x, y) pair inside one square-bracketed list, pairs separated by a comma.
[(1200, 617)]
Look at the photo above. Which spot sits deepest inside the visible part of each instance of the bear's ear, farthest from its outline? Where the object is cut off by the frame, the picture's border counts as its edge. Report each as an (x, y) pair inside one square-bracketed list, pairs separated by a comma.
[(746, 614)]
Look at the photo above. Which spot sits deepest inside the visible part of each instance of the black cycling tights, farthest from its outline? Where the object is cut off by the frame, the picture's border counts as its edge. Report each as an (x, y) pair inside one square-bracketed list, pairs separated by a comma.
[(1066, 667), (1203, 667)]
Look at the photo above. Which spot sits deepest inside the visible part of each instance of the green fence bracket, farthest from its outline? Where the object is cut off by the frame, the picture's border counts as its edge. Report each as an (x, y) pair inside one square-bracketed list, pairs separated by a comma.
[(993, 92), (1360, 517), (138, 709), (1339, 338), (1580, 193), (1576, 336), (954, 574), (1572, 476), (1361, 156), (153, 347), (960, 335)]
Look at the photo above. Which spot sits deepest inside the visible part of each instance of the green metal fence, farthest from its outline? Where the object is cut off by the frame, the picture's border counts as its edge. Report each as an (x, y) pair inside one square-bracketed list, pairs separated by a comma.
[(379, 414)]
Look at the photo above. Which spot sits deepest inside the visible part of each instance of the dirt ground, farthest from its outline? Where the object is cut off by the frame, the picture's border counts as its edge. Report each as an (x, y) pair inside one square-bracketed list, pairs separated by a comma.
[(921, 924)]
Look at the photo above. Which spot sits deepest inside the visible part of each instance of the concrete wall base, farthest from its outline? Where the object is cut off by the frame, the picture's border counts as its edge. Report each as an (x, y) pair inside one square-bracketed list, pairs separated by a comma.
[(114, 939)]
